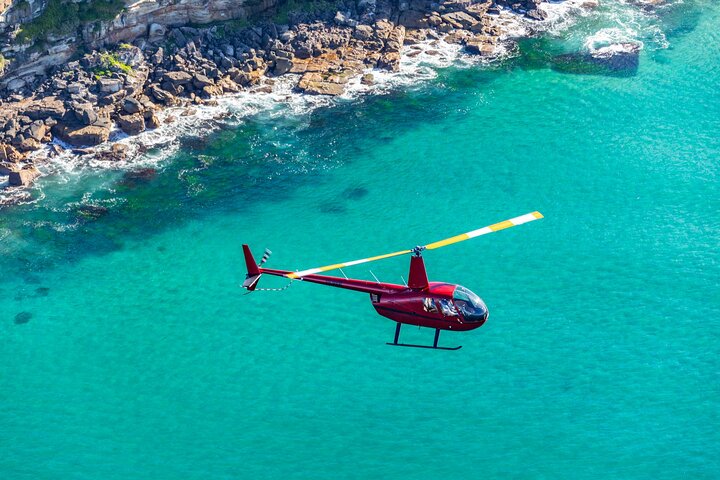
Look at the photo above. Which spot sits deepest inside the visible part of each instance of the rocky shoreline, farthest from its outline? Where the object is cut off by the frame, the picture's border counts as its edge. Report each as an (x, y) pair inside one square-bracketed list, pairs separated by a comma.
[(123, 88)]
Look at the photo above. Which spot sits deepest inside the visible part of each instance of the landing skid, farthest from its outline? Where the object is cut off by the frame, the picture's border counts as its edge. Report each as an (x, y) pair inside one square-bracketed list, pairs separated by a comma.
[(434, 346)]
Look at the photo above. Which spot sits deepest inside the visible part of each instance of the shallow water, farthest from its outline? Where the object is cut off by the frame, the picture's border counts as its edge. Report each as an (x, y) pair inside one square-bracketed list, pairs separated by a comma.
[(135, 354)]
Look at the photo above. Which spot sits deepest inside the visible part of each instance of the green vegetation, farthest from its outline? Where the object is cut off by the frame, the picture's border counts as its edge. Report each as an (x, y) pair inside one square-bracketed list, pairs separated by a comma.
[(109, 63), (62, 18), (318, 7)]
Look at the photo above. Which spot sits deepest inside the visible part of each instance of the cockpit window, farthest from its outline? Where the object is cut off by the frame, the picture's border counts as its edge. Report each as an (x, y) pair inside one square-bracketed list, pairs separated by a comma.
[(470, 305), (429, 305), (447, 308)]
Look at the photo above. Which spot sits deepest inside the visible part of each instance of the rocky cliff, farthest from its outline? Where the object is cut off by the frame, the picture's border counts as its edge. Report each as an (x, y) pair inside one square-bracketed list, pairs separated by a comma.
[(36, 35)]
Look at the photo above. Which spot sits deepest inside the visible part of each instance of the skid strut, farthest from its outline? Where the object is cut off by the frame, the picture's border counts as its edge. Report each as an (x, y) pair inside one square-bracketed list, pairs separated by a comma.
[(434, 345)]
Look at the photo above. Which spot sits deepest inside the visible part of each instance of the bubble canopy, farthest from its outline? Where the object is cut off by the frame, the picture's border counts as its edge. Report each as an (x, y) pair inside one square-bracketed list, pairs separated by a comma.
[(471, 306)]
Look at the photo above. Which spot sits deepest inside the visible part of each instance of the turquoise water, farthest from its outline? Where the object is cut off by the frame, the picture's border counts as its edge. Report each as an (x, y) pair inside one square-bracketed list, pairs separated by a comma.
[(142, 358)]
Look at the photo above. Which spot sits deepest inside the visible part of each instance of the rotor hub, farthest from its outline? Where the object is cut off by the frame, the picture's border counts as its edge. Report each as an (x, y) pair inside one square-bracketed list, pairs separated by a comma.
[(417, 251)]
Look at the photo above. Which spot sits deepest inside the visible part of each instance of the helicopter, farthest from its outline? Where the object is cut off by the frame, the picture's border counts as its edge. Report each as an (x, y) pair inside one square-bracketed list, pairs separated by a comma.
[(437, 305)]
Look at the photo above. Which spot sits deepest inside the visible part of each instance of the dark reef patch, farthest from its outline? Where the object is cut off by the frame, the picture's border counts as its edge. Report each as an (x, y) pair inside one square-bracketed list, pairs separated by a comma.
[(22, 317), (332, 207), (42, 291), (354, 193), (89, 212), (135, 178)]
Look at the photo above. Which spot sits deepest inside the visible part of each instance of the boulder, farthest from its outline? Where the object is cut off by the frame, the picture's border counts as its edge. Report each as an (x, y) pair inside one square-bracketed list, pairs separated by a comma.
[(6, 168), (82, 135), (131, 124), (177, 78), (389, 61), (156, 33), (85, 113), (37, 130), (459, 19), (363, 32), (315, 83), (132, 105), (200, 81), (212, 91), (395, 39), (28, 144), (109, 85), (162, 96), (24, 177), (8, 153), (282, 66), (75, 88), (46, 107), (152, 121)]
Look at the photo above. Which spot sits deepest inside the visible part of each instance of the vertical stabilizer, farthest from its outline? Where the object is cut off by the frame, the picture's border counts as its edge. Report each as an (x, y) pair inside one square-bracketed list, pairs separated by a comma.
[(253, 272)]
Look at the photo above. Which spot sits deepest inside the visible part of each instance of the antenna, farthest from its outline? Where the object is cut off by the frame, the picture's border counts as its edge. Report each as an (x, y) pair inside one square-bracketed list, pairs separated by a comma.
[(403, 279), (343, 273), (376, 279)]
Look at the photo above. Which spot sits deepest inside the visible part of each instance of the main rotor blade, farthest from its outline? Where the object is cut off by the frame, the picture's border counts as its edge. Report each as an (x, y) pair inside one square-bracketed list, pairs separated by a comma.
[(513, 222), (310, 271), (431, 246)]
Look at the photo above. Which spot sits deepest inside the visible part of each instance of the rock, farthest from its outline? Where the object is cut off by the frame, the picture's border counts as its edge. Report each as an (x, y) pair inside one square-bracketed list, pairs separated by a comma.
[(28, 144), (481, 45), (282, 66), (75, 88), (131, 124), (536, 14), (177, 78), (130, 55), (8, 153), (83, 135), (363, 32), (344, 20), (6, 168), (85, 113), (459, 19), (132, 105), (47, 107), (395, 39), (54, 150), (24, 177), (15, 84), (618, 56), (389, 61), (200, 81), (38, 130), (109, 85), (157, 57), (117, 153), (315, 83), (156, 33), (152, 121), (367, 79), (162, 96), (212, 91)]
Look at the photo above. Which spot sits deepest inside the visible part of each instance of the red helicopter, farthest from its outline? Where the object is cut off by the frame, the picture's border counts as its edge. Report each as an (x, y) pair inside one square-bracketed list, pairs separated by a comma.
[(438, 305)]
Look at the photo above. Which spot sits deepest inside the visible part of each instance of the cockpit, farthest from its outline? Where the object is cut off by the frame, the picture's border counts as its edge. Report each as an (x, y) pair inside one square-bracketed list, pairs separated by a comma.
[(470, 306)]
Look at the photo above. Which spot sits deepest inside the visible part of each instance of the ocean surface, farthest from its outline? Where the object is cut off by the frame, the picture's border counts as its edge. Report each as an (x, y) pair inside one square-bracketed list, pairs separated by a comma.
[(129, 351)]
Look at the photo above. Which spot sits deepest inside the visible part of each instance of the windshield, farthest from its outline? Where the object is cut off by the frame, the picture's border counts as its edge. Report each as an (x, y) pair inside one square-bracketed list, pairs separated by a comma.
[(470, 305)]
